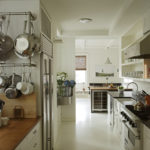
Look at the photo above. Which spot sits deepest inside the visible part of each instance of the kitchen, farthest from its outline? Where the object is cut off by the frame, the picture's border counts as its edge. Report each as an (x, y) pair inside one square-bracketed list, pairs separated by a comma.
[(125, 29)]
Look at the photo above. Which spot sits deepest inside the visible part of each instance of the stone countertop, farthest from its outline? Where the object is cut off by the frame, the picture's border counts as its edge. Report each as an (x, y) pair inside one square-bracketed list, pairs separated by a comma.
[(12, 134), (146, 123), (125, 94)]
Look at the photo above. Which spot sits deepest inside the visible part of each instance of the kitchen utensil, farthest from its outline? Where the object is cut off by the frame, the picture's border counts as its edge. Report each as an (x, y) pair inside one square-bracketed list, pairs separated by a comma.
[(2, 103), (4, 121), (17, 78), (26, 44), (1, 107), (22, 85), (11, 92), (18, 112), (6, 42), (139, 106), (147, 100), (29, 86), (3, 81), (146, 94)]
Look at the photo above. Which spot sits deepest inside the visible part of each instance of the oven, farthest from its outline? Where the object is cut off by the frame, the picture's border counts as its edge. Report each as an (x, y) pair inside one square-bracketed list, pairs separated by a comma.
[(131, 127), (131, 140)]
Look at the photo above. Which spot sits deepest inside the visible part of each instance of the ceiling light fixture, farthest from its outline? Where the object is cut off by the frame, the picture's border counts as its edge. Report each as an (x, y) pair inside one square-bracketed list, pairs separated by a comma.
[(85, 20), (108, 62)]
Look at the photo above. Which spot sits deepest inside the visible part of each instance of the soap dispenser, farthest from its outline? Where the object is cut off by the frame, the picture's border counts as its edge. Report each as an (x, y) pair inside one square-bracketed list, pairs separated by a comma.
[(1, 107)]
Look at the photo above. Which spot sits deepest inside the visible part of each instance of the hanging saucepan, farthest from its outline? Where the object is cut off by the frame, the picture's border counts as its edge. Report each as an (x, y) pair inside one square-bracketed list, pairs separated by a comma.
[(26, 44), (6, 42), (11, 92)]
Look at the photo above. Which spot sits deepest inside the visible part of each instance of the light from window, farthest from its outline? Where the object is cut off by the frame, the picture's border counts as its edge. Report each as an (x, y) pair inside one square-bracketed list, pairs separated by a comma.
[(80, 76)]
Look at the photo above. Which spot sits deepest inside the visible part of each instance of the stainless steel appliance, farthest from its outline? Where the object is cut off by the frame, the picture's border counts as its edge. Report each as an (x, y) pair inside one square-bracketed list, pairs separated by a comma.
[(46, 96), (99, 100), (132, 139)]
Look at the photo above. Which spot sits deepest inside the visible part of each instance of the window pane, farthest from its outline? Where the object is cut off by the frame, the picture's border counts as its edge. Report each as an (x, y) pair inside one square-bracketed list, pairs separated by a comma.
[(80, 76)]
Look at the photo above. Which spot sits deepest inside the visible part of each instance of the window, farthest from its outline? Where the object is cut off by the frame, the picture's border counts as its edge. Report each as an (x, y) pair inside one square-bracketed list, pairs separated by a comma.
[(80, 69), (80, 76)]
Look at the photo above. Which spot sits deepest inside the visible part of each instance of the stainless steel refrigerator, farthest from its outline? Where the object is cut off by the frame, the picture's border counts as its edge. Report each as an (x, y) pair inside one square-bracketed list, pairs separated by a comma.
[(46, 96)]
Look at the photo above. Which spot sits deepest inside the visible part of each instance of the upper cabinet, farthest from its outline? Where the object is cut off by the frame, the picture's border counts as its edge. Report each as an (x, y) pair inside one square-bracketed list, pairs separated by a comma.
[(45, 23), (146, 22), (46, 42), (131, 46)]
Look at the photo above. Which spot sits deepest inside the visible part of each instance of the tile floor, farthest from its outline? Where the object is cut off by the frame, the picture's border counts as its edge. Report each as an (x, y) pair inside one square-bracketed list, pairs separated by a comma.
[(90, 132)]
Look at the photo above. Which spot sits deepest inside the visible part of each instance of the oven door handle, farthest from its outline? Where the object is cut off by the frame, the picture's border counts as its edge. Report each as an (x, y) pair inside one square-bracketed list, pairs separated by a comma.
[(124, 122)]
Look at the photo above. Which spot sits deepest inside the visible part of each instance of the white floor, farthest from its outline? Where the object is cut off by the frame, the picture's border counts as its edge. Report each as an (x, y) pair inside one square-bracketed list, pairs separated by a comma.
[(90, 132)]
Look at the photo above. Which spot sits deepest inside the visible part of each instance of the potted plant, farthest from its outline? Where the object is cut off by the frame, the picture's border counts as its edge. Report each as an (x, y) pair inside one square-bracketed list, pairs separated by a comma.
[(120, 89)]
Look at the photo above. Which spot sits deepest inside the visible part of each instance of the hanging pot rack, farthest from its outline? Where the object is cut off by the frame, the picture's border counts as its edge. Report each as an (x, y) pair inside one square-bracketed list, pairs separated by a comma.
[(17, 65), (31, 17)]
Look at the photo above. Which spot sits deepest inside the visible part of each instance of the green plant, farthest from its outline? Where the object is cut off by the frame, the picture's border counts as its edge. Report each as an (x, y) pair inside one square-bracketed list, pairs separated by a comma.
[(61, 77), (120, 87)]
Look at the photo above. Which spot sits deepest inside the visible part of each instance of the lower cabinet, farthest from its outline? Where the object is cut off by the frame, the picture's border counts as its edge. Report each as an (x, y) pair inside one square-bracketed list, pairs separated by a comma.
[(33, 140), (146, 138)]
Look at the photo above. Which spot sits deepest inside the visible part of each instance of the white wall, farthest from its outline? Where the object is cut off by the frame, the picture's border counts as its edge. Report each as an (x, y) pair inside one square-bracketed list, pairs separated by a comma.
[(66, 63), (97, 56)]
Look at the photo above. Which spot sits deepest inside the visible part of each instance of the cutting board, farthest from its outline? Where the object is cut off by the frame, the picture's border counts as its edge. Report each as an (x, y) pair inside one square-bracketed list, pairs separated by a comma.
[(28, 102)]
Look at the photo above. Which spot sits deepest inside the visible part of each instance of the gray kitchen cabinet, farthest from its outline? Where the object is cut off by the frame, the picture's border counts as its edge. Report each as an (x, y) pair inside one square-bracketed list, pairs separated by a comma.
[(98, 100), (146, 24), (33, 140), (146, 138)]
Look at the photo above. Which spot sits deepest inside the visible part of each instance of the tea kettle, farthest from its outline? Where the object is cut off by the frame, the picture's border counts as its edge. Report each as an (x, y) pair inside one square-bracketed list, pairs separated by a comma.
[(139, 106)]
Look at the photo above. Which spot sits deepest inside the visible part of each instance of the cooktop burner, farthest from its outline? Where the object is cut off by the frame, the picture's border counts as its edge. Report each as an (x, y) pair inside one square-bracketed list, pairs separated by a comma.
[(144, 115)]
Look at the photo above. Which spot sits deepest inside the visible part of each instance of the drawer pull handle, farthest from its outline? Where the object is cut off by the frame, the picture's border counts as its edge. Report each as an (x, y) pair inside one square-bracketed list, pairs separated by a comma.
[(34, 132), (35, 145)]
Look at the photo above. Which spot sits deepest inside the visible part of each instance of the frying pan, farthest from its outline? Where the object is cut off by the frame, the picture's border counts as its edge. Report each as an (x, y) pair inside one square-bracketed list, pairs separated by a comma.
[(26, 44), (6, 42)]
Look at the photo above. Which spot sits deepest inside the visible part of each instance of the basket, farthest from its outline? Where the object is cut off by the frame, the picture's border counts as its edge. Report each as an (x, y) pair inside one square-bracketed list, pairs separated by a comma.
[(65, 91)]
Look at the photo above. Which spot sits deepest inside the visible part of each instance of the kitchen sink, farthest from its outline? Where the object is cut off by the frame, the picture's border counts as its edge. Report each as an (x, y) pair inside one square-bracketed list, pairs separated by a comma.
[(126, 101)]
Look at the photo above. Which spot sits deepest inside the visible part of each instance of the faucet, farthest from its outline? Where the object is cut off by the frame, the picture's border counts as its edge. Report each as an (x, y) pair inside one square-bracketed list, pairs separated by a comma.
[(134, 84)]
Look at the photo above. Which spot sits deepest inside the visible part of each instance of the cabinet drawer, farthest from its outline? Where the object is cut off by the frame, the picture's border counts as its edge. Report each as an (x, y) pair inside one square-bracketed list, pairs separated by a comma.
[(33, 140)]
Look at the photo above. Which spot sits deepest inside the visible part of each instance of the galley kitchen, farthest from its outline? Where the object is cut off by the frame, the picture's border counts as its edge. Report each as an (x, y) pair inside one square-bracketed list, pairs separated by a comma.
[(74, 75)]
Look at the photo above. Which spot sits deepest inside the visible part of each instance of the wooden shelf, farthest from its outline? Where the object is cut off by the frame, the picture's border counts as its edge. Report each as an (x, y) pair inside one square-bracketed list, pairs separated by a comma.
[(137, 79)]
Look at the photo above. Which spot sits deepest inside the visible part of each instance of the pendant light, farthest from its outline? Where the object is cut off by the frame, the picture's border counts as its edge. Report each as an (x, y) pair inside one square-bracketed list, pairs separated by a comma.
[(108, 62)]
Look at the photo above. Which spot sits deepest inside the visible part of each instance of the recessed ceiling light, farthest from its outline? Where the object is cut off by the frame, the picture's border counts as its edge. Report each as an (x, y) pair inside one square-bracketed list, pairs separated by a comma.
[(85, 20)]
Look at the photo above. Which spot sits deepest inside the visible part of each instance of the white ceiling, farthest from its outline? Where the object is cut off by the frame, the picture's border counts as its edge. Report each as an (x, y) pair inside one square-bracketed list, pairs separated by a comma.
[(109, 16)]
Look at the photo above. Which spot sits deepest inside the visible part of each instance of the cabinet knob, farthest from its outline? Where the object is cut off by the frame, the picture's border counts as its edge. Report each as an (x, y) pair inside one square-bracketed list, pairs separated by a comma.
[(34, 145), (34, 132)]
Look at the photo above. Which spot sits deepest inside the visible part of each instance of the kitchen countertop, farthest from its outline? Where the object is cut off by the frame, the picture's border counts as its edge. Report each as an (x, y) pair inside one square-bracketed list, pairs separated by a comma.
[(12, 134), (129, 95), (125, 94)]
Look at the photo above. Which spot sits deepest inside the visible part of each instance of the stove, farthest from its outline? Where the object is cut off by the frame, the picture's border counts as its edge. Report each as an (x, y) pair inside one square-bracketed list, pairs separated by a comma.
[(132, 139), (143, 115)]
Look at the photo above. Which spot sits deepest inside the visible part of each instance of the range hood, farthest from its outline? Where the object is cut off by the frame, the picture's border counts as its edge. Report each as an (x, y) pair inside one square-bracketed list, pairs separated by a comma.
[(140, 49)]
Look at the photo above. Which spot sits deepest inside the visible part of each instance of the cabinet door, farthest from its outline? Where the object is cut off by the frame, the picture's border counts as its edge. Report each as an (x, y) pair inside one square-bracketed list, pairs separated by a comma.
[(33, 141), (146, 22), (146, 138)]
